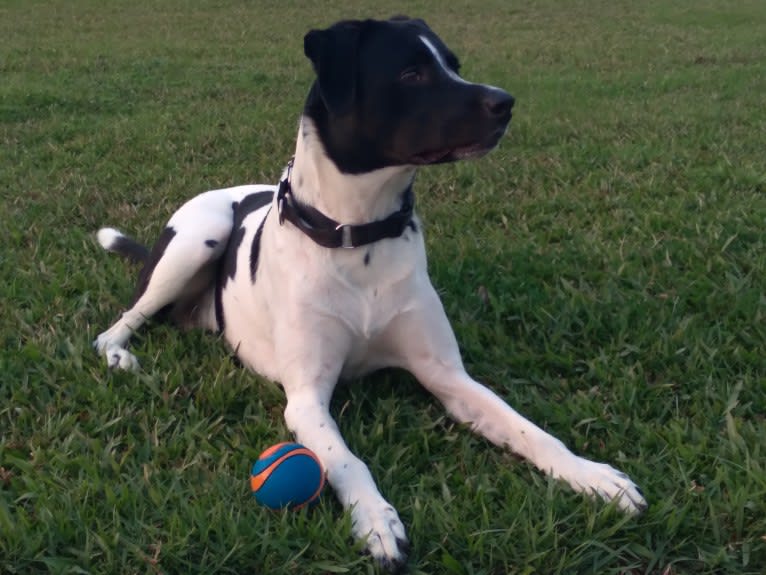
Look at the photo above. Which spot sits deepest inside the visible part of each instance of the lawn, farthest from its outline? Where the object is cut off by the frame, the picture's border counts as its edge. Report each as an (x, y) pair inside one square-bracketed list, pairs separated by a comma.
[(604, 270)]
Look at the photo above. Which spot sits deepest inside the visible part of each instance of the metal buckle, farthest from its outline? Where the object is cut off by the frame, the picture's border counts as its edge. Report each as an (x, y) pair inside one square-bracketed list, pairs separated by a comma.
[(281, 198), (345, 235)]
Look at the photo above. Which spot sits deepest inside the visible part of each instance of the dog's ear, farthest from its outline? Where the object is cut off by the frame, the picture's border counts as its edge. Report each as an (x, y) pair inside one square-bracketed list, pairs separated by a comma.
[(333, 53)]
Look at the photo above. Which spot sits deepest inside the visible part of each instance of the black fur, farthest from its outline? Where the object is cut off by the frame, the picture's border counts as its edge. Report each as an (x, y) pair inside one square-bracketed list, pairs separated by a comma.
[(382, 99), (130, 249), (218, 301), (255, 249), (244, 208), (333, 54), (227, 265)]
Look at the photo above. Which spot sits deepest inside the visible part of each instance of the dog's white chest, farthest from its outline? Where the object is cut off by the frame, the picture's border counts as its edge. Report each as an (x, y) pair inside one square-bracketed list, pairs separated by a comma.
[(298, 289)]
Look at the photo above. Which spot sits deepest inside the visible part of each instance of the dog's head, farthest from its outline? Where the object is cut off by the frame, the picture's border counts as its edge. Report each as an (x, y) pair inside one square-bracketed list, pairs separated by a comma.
[(388, 93)]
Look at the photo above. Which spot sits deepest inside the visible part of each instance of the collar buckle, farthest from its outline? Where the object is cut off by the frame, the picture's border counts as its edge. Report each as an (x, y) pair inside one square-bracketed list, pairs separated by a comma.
[(284, 189), (345, 234)]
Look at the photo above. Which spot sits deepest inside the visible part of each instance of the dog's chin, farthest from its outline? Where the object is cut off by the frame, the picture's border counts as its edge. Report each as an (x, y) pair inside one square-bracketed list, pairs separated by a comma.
[(454, 154)]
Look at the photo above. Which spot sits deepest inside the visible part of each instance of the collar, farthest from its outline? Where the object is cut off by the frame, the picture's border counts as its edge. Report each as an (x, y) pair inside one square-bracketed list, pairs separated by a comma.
[(331, 234)]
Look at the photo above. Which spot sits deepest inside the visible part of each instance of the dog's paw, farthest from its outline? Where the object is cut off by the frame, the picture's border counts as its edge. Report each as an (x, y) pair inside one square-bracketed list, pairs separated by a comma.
[(110, 344), (610, 484), (379, 526), (116, 357), (121, 358)]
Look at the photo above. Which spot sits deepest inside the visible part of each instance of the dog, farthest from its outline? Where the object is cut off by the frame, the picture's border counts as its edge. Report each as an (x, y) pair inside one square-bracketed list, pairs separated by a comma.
[(324, 275)]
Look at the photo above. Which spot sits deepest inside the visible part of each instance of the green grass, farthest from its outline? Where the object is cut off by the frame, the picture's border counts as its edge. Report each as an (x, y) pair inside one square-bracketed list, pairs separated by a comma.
[(604, 269)]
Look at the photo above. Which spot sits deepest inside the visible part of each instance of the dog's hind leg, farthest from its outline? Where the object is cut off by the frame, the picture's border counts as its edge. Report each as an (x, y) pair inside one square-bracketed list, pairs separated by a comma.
[(179, 268)]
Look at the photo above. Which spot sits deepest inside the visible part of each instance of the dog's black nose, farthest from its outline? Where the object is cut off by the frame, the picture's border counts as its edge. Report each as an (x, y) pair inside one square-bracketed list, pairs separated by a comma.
[(498, 102)]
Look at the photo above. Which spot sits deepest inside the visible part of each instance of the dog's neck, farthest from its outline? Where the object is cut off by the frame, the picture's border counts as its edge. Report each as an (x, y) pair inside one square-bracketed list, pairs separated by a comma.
[(346, 198)]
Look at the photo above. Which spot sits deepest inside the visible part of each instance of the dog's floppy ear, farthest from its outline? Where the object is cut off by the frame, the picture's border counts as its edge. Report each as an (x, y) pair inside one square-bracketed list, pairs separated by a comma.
[(333, 52)]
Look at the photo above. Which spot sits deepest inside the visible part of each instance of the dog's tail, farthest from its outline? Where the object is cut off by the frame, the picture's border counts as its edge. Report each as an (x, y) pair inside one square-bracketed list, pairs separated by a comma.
[(115, 241)]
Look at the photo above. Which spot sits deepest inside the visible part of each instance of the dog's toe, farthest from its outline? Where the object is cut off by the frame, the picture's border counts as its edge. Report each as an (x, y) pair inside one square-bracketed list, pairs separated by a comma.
[(386, 540), (121, 358), (611, 485)]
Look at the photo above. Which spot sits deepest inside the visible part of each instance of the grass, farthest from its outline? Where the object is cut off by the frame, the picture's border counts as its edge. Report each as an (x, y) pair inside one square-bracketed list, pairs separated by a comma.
[(605, 271)]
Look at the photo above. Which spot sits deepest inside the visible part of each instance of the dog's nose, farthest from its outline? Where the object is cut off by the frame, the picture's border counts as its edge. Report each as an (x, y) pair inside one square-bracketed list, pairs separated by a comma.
[(498, 102)]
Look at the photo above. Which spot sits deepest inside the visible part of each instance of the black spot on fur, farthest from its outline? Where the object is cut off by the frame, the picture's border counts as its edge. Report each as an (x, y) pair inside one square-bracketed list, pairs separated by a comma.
[(211, 243), (158, 250), (229, 261), (227, 267), (243, 209), (255, 250), (413, 226), (367, 258), (219, 307)]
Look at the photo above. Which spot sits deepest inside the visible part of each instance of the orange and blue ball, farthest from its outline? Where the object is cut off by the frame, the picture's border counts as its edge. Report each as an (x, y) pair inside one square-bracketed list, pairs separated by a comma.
[(287, 475)]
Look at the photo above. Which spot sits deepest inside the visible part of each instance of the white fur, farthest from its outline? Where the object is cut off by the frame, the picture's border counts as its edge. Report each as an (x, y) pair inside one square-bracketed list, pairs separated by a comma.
[(314, 315), (440, 60), (107, 237)]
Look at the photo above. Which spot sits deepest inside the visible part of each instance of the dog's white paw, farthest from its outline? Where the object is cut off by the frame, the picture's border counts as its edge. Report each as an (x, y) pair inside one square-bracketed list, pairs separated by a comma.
[(610, 484), (121, 358), (117, 357), (379, 525), (111, 344)]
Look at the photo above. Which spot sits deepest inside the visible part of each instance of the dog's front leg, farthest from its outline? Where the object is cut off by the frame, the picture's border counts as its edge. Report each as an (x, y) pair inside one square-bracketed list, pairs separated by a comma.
[(308, 384), (426, 345)]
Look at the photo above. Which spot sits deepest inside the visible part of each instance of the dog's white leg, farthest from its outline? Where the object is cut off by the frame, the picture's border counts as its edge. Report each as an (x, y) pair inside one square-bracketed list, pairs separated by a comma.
[(166, 276), (426, 344), (373, 518), (195, 236), (309, 381)]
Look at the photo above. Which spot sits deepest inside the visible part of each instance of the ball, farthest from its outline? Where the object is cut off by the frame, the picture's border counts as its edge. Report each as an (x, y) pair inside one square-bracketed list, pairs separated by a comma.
[(287, 475)]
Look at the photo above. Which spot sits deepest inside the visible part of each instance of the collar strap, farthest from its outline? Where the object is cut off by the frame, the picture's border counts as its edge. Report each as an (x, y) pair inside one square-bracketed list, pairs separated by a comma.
[(331, 234)]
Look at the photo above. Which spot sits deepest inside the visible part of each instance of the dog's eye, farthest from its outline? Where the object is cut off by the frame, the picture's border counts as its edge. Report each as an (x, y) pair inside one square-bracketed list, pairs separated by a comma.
[(410, 76)]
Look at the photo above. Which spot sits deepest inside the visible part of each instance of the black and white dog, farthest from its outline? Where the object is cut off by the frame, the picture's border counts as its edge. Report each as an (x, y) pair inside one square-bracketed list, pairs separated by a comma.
[(324, 276)]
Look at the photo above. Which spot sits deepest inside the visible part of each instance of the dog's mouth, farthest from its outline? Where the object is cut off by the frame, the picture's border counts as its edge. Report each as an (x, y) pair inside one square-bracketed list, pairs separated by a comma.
[(453, 154)]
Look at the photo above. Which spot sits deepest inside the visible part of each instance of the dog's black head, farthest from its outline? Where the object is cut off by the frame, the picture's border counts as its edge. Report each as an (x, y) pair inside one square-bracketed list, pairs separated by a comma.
[(388, 93)]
